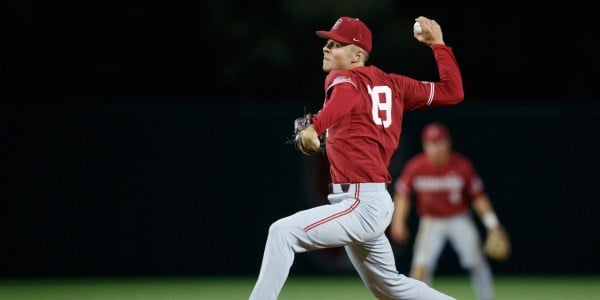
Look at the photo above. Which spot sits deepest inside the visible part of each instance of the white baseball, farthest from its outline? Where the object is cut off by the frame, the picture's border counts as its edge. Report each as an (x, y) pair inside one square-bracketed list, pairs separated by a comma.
[(417, 28)]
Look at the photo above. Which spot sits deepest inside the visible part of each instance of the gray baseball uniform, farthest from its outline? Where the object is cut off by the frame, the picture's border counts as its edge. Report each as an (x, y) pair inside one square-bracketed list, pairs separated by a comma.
[(355, 219)]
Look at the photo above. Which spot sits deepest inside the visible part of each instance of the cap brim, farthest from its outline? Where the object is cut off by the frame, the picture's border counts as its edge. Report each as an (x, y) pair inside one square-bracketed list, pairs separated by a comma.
[(435, 139), (330, 35)]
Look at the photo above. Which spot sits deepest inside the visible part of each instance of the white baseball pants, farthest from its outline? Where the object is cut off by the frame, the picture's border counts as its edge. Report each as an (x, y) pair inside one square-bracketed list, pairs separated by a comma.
[(461, 231), (356, 218)]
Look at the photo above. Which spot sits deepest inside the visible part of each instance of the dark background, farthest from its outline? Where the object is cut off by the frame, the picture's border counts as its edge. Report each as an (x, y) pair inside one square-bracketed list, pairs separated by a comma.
[(149, 137)]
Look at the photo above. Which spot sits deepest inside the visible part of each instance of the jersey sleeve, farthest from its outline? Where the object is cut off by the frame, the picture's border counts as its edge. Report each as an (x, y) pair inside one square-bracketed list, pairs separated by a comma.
[(342, 95), (474, 183), (403, 185), (425, 94)]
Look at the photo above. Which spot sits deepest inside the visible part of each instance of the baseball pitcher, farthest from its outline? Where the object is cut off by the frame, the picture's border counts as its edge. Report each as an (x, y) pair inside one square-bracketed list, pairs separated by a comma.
[(358, 128)]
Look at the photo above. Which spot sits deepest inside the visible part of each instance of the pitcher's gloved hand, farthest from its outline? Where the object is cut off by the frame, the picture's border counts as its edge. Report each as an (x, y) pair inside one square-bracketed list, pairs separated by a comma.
[(300, 126)]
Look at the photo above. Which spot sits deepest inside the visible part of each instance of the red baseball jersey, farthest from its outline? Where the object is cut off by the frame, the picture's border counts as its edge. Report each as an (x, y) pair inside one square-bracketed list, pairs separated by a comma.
[(440, 190), (362, 114)]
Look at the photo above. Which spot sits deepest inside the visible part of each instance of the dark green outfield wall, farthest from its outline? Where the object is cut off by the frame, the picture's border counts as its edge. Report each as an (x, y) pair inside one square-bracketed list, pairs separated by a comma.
[(180, 189)]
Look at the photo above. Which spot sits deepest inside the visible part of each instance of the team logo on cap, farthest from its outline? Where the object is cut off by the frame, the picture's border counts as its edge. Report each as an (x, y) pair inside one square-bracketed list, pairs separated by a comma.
[(337, 23)]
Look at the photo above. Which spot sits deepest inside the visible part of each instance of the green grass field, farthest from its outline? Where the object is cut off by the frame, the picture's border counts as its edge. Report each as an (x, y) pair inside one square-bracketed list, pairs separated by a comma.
[(301, 288)]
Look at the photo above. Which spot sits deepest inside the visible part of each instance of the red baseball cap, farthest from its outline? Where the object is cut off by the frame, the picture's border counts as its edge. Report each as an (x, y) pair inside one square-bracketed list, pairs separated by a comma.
[(435, 132), (348, 30)]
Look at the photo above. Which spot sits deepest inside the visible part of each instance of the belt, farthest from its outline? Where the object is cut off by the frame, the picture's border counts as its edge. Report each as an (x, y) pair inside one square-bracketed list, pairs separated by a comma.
[(335, 188)]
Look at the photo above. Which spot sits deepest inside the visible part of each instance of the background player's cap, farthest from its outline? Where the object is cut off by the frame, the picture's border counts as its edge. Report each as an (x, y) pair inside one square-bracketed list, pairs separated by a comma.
[(435, 132), (348, 30)]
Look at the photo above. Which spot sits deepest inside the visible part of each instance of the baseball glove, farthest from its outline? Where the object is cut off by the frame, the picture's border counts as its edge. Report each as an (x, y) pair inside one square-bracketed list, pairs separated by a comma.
[(497, 245), (300, 124)]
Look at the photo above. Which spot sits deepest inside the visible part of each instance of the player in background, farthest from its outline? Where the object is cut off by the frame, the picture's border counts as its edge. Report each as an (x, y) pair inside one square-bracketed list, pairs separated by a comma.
[(362, 119), (444, 185)]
